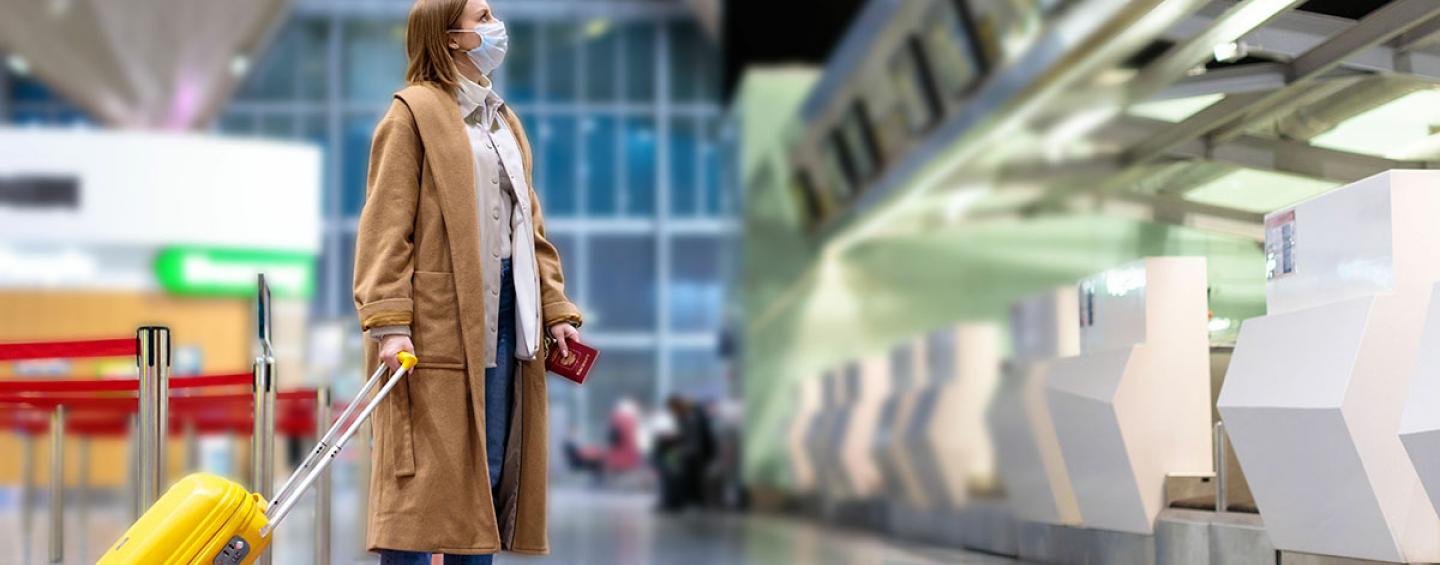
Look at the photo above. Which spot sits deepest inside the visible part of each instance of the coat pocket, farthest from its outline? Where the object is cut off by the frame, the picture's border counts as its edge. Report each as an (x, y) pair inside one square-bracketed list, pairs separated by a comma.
[(436, 327)]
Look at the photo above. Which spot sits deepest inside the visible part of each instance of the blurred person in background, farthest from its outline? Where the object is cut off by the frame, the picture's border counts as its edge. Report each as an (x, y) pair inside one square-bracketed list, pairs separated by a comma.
[(452, 264), (681, 456), (582, 458), (621, 453), (723, 486)]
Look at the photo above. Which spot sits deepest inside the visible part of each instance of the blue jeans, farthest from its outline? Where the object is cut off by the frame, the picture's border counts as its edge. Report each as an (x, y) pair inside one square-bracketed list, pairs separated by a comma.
[(392, 557), (499, 397)]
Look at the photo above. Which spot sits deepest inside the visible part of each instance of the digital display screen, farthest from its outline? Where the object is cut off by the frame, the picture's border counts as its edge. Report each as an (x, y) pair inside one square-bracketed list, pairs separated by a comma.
[(950, 37), (915, 88), (856, 132)]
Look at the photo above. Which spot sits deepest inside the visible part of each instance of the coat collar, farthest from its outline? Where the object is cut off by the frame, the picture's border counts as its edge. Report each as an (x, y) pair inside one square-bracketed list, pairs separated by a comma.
[(478, 102)]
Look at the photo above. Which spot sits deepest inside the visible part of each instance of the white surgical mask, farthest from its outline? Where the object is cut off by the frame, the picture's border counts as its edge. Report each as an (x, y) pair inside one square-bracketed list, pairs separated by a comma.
[(494, 42)]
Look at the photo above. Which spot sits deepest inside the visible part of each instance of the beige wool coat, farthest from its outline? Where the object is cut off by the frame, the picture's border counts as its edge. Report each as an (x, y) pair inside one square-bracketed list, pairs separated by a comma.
[(417, 263)]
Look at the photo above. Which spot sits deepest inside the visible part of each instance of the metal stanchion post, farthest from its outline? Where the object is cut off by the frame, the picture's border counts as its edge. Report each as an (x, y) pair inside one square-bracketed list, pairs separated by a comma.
[(192, 447), (262, 439), (322, 487), (1221, 497), (27, 498), (153, 356), (132, 474), (85, 494), (57, 485)]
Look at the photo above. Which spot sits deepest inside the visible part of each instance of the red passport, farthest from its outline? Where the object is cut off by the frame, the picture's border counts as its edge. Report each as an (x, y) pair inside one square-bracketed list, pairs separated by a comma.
[(576, 366)]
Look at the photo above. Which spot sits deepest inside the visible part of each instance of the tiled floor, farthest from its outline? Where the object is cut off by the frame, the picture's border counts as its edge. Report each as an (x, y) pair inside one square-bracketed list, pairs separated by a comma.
[(586, 528)]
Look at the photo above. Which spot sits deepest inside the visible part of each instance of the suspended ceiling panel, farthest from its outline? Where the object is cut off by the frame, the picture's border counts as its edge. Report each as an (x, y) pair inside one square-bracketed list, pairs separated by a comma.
[(166, 64)]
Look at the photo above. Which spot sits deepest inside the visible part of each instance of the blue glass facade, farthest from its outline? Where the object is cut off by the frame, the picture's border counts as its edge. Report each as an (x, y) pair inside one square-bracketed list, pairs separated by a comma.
[(621, 102)]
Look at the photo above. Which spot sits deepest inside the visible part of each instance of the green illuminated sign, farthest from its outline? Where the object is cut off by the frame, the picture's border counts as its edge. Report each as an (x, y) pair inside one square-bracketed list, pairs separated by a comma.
[(207, 271)]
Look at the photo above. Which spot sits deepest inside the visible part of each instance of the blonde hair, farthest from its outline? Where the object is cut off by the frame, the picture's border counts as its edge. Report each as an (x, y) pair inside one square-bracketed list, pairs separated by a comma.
[(426, 36)]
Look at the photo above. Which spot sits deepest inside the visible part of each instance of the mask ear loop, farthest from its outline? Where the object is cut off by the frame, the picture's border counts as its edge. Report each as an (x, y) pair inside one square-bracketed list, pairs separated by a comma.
[(474, 31)]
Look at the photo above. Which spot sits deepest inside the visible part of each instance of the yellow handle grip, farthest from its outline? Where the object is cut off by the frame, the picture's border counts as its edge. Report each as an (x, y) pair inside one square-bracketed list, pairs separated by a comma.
[(406, 359)]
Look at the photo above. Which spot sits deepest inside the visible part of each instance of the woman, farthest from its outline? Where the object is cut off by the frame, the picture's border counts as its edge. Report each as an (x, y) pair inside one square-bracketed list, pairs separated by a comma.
[(452, 264)]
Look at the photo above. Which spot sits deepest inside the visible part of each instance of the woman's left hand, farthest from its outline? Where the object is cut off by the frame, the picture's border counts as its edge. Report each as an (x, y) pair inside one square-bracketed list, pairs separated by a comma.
[(563, 332)]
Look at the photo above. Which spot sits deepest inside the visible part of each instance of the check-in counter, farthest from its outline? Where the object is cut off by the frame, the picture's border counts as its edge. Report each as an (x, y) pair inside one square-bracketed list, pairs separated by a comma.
[(1134, 405), (907, 373), (1316, 389), (805, 417), (947, 438), (1420, 423), (820, 438), (1043, 328), (868, 383)]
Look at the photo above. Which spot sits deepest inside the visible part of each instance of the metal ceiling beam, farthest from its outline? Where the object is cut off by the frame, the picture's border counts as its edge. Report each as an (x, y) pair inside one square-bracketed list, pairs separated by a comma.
[(1090, 37), (1261, 153), (1236, 79), (1229, 26), (1421, 36), (1293, 33), (1111, 176), (1193, 127), (1302, 159), (1380, 26), (1194, 49), (1269, 108), (1229, 80)]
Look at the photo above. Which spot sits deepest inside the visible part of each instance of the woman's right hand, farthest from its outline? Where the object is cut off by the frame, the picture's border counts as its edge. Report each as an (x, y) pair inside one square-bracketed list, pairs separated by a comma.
[(392, 345)]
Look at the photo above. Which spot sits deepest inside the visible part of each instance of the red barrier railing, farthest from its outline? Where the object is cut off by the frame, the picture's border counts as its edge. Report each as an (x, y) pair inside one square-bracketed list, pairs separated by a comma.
[(129, 404), (120, 385), (118, 425), (101, 407), (69, 349)]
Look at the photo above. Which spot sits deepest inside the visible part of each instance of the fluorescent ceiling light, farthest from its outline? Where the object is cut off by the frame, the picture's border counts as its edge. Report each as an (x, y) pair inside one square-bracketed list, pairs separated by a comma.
[(1258, 191), (1231, 51), (1391, 130), (1176, 109)]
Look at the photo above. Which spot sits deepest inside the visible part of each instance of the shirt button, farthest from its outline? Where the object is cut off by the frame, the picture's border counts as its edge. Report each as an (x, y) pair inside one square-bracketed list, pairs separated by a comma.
[(495, 213), (495, 181)]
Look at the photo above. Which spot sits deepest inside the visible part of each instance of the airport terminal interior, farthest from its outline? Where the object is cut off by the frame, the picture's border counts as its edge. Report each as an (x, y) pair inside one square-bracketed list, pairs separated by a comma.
[(1082, 282)]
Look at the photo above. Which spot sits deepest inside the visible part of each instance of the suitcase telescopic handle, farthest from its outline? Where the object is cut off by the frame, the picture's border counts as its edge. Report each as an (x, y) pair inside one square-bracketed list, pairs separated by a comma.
[(325, 451), (330, 434)]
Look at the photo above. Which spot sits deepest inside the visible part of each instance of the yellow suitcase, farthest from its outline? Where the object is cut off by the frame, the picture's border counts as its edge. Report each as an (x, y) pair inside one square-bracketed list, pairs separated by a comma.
[(205, 519)]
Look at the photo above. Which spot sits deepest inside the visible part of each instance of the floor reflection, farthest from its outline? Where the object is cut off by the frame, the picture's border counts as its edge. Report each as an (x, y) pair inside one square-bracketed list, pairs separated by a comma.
[(586, 528)]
